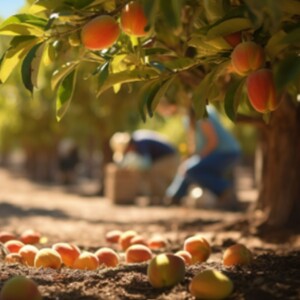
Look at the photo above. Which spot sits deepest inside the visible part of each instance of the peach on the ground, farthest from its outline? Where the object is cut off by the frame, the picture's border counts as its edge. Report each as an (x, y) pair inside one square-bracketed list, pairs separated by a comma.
[(107, 257), (28, 253), (113, 236), (68, 252), (20, 288), (86, 261), (138, 253), (210, 284), (125, 238), (13, 258), (138, 239), (157, 242), (185, 255), (198, 247), (165, 270), (13, 246), (237, 254), (30, 236), (6, 236), (100, 33), (47, 258)]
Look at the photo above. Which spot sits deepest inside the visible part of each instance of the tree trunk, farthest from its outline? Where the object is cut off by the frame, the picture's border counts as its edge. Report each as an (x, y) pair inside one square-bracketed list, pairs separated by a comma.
[(279, 196)]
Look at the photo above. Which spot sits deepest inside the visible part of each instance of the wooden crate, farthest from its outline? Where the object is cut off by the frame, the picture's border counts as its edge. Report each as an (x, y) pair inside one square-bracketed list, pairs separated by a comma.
[(122, 186)]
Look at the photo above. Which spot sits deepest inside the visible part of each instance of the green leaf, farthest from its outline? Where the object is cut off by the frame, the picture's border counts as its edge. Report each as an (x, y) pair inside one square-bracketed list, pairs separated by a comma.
[(287, 71), (171, 10), (180, 64), (64, 94), (62, 72), (25, 19), (233, 97), (128, 76), (150, 9), (292, 37), (30, 66), (15, 54), (103, 73)]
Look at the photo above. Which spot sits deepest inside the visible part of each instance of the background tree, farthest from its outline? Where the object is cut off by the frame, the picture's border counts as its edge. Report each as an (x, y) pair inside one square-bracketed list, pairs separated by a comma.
[(194, 44)]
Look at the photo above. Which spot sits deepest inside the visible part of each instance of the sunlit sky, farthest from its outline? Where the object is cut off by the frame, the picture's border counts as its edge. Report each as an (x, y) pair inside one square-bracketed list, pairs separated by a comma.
[(10, 7)]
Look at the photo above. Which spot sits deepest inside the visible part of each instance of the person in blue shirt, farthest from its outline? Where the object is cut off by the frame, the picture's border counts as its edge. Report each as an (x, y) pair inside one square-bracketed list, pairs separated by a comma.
[(215, 152)]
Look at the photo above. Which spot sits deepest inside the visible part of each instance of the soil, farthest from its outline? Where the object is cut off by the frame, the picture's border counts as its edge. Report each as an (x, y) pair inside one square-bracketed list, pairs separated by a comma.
[(76, 214)]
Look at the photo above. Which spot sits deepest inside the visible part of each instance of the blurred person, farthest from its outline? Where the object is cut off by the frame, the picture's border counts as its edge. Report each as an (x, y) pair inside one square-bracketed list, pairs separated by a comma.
[(151, 153), (214, 153)]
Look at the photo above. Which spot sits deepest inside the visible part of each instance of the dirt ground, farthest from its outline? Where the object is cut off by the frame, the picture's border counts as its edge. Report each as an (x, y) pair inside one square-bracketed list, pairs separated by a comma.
[(74, 214)]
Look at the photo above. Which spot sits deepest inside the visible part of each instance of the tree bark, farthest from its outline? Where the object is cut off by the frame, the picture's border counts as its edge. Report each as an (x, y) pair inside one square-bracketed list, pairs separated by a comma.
[(279, 196)]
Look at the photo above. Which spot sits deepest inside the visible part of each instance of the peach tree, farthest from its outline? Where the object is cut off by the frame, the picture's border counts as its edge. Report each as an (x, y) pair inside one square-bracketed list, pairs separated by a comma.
[(243, 54)]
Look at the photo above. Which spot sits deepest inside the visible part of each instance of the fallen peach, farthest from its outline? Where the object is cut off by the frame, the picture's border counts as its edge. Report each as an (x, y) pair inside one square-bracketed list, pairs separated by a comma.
[(13, 258), (237, 254), (198, 247), (126, 236), (6, 236), (165, 270), (30, 236), (113, 236), (13, 246), (133, 19), (107, 257), (100, 33), (261, 91), (247, 57), (47, 258), (28, 253), (68, 252), (157, 242), (86, 261), (138, 240), (20, 288), (185, 255), (210, 284), (137, 253)]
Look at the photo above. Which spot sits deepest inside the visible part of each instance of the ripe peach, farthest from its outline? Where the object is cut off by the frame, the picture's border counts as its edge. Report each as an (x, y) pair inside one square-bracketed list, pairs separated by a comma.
[(125, 238), (113, 236), (133, 19), (137, 253), (68, 252), (157, 242), (138, 240), (6, 236), (47, 258), (165, 269), (107, 257), (13, 246), (13, 258), (30, 236), (28, 253), (261, 91), (185, 255), (20, 288), (86, 261), (198, 247), (210, 284), (237, 254), (247, 57), (100, 33), (234, 38)]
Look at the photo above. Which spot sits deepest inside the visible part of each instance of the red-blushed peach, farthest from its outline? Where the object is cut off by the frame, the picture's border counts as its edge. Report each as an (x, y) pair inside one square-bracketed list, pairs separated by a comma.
[(233, 39), (30, 236), (28, 253), (138, 253), (157, 242), (237, 254), (100, 33), (13, 246), (165, 270), (107, 257), (133, 19), (210, 284), (13, 258), (198, 247), (68, 252), (261, 91), (20, 288), (138, 239), (247, 57), (185, 255), (126, 236), (86, 261), (6, 236), (113, 236), (47, 258)]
